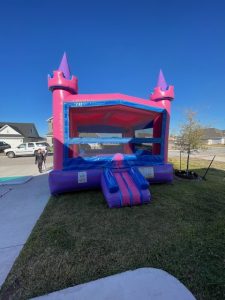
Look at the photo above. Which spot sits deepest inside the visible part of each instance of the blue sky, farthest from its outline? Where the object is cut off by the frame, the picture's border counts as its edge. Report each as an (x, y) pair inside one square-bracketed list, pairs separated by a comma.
[(113, 46)]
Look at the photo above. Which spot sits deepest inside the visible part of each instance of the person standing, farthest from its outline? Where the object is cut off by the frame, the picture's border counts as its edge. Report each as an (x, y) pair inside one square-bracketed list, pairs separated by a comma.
[(45, 154), (39, 158)]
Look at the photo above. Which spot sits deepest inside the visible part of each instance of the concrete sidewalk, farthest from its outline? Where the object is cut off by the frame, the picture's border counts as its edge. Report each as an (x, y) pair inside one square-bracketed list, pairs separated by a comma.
[(140, 284), (20, 208)]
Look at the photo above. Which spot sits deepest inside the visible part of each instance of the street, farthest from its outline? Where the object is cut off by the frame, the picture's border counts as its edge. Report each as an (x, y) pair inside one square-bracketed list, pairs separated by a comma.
[(203, 154), (21, 166)]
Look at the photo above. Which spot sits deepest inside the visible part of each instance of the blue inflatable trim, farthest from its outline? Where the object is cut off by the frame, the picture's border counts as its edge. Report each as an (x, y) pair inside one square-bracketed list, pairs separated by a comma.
[(110, 181), (139, 179)]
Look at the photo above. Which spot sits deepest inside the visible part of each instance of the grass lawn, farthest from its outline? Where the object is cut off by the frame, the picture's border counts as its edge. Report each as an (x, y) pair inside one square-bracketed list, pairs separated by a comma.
[(78, 239)]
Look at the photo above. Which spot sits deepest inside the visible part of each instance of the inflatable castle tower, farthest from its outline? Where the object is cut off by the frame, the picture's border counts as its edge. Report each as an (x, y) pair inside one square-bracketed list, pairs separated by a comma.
[(115, 142)]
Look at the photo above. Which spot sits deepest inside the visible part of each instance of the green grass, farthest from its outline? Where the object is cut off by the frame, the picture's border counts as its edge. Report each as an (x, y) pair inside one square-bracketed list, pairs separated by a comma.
[(78, 239)]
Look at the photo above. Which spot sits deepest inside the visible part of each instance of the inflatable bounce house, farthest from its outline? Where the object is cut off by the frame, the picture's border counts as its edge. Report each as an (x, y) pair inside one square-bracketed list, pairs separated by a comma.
[(115, 142)]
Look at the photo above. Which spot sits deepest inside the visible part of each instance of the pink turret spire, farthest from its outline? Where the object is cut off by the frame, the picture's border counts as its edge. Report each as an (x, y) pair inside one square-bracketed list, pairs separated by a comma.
[(162, 90), (161, 81), (64, 66)]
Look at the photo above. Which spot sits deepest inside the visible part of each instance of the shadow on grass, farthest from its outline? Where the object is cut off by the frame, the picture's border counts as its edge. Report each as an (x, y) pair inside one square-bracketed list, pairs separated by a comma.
[(78, 239)]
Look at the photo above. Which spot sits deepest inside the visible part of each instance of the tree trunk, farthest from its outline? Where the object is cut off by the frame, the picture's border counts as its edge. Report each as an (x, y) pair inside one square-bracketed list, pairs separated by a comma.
[(188, 157), (180, 160)]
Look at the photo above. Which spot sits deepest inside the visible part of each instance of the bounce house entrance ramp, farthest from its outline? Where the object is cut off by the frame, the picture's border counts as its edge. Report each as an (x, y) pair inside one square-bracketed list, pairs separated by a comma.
[(124, 187)]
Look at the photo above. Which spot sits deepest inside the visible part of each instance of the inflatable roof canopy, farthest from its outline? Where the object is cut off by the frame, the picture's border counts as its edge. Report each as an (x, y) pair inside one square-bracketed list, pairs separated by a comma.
[(111, 141)]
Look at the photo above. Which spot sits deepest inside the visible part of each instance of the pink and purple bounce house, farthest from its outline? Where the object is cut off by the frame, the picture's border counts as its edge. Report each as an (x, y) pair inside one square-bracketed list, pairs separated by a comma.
[(115, 142)]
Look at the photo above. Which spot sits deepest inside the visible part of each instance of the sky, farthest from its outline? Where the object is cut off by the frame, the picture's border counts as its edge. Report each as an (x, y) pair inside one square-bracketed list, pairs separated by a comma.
[(113, 46)]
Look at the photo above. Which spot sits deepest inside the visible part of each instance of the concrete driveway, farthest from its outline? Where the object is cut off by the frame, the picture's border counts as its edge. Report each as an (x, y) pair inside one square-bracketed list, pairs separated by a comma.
[(21, 166), (20, 207)]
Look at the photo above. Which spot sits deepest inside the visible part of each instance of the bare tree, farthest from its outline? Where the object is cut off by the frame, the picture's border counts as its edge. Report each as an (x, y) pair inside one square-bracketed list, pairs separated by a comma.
[(190, 136)]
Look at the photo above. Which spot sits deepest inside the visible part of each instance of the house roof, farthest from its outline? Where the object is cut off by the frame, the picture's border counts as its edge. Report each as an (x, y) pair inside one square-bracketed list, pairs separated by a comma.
[(213, 133), (49, 134), (25, 129), (10, 136)]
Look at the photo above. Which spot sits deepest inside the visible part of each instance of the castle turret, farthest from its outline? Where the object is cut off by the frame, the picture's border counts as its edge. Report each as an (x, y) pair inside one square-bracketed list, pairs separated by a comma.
[(62, 79), (162, 91), (62, 85), (163, 94)]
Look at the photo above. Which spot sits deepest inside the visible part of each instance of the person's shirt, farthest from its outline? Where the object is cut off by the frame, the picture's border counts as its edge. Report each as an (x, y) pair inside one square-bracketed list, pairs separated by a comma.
[(39, 157)]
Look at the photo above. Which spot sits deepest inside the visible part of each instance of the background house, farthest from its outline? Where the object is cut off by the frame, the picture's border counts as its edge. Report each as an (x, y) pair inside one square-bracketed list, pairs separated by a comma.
[(17, 133), (49, 135), (213, 136), (172, 142)]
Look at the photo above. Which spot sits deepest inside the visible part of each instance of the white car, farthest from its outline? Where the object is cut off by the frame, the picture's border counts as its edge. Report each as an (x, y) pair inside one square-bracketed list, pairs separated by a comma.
[(26, 149)]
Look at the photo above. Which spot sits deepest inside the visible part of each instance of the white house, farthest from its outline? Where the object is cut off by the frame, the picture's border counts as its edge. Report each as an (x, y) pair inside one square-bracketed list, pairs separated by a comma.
[(17, 133), (49, 135), (213, 136), (216, 141)]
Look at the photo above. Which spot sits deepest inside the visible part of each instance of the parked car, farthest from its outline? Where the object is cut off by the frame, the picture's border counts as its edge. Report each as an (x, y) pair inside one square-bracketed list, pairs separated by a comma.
[(4, 146), (26, 149), (43, 144)]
